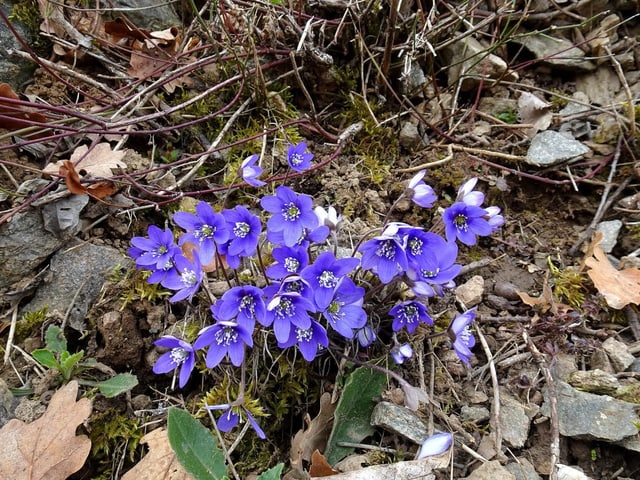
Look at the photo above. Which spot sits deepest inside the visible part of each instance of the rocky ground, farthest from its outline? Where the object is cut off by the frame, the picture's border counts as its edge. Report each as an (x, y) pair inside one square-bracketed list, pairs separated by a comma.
[(544, 116)]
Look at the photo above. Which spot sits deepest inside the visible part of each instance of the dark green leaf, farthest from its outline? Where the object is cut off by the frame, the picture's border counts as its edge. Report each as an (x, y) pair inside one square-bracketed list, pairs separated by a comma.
[(54, 338), (114, 386), (46, 358), (272, 473)]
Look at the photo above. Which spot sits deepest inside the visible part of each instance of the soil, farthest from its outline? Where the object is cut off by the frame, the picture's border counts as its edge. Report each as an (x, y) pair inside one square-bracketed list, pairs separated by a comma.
[(545, 217)]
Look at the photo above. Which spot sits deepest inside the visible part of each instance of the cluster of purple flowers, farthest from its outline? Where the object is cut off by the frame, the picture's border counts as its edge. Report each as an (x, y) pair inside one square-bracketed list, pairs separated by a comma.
[(310, 293)]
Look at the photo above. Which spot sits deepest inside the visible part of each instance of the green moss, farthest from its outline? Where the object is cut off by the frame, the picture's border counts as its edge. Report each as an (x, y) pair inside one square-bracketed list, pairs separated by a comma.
[(630, 393), (113, 432), (30, 322), (139, 289), (568, 285)]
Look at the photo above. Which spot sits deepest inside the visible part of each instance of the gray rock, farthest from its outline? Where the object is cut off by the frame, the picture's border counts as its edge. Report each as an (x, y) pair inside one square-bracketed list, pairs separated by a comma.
[(474, 414), (594, 381), (150, 14), (491, 471), (618, 353), (399, 420), (409, 136), (592, 417), (76, 277), (514, 421), (556, 52), (610, 230), (13, 70), (470, 292), (523, 470), (25, 245), (549, 148)]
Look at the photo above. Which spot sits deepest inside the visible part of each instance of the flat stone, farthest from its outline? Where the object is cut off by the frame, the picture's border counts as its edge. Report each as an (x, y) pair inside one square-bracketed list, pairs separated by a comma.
[(491, 471), (594, 381), (470, 292), (610, 230), (409, 136), (399, 420), (618, 353), (474, 414), (75, 279), (549, 148), (592, 417), (557, 52), (523, 470), (514, 421)]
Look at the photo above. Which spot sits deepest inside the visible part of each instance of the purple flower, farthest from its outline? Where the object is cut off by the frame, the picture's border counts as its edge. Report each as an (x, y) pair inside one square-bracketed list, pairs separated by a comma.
[(224, 338), (460, 334), (185, 276), (250, 172), (409, 314), (464, 222), (292, 213), (230, 419), (308, 340), (289, 260), (385, 256), (435, 268), (287, 310), (324, 274), (205, 229), (401, 353), (366, 336), (468, 195), (298, 158), (329, 217), (345, 313), (435, 445), (421, 193), (494, 218), (244, 231), (155, 252), (290, 284), (244, 303), (181, 354)]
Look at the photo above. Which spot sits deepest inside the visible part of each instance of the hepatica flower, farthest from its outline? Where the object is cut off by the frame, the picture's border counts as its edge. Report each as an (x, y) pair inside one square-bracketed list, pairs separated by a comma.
[(243, 303), (435, 268), (409, 314), (401, 353), (328, 217), (421, 193), (180, 355), (185, 277), (384, 255), (224, 338), (289, 261), (460, 334), (292, 214), (345, 313), (307, 339), (464, 222), (230, 418), (205, 229), (435, 445), (324, 275), (366, 336), (298, 158), (286, 311), (244, 231), (250, 172), (155, 252)]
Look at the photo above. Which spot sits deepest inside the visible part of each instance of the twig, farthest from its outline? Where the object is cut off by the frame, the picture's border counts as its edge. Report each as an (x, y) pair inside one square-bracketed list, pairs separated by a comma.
[(554, 445), (227, 456), (495, 405), (12, 332)]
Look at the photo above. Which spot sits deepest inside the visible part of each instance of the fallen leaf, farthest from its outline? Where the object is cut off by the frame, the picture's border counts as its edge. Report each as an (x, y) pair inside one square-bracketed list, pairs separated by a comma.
[(315, 437), (160, 463), (99, 162), (71, 178), (17, 116), (320, 467), (48, 448), (534, 111), (618, 287)]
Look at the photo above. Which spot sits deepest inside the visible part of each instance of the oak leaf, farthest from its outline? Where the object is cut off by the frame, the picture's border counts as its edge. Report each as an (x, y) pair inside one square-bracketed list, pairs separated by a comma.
[(160, 463), (48, 448), (618, 287), (99, 162)]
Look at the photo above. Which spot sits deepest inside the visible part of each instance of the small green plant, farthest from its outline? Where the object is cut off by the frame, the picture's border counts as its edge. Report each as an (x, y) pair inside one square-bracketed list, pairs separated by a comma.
[(56, 356)]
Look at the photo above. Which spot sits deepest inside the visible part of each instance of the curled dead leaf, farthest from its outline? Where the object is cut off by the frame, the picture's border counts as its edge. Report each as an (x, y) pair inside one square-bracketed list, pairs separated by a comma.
[(618, 287)]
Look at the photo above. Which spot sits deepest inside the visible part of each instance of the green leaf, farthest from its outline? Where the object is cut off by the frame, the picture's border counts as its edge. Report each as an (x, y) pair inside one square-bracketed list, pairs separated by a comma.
[(54, 338), (195, 446), (46, 358), (114, 386), (353, 413), (68, 362), (272, 473)]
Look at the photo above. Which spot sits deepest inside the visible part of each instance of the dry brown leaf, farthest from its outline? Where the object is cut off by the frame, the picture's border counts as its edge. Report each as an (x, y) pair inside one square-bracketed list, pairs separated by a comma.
[(18, 116), (98, 162), (533, 111), (160, 463), (48, 448), (320, 467), (71, 178), (315, 437), (618, 287)]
